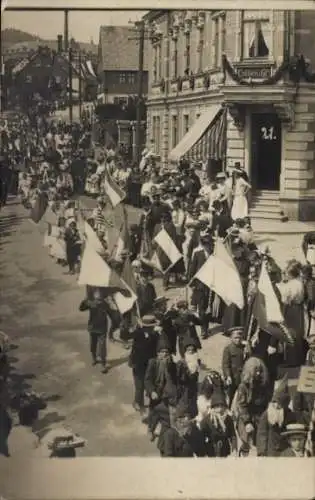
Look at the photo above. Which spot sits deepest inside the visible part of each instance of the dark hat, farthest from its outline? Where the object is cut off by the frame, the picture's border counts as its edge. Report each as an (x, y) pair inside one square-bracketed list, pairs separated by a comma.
[(281, 393), (182, 410), (149, 320), (160, 300), (182, 304), (189, 341), (163, 344), (234, 329), (218, 399)]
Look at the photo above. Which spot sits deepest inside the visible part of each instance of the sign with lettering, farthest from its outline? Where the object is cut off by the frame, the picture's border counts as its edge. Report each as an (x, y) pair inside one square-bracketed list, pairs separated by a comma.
[(254, 72), (306, 381)]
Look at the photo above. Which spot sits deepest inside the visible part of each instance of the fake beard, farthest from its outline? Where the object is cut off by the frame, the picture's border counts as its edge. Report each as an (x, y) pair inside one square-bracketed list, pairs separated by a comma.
[(275, 416), (192, 362)]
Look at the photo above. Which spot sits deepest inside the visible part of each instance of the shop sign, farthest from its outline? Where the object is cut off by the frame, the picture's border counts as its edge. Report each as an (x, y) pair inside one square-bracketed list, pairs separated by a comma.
[(254, 72)]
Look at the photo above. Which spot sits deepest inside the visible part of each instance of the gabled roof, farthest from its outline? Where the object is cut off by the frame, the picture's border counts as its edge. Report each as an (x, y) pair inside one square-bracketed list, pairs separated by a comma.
[(119, 49)]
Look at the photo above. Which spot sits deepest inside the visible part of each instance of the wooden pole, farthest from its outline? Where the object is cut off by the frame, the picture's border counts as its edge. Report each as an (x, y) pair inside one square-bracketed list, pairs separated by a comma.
[(80, 86), (141, 27), (70, 85)]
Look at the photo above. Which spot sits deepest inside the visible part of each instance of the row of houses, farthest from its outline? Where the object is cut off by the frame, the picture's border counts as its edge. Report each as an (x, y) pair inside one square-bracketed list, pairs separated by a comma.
[(238, 86)]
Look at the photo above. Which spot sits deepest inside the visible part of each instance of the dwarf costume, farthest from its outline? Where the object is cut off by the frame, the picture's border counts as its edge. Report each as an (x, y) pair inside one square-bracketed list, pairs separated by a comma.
[(188, 376), (270, 440)]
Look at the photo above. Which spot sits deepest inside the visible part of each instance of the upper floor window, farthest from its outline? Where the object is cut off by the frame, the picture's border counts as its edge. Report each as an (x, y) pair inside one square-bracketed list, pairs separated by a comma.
[(185, 124), (122, 78), (201, 43), (157, 62), (174, 131), (218, 37), (175, 58), (256, 32), (187, 53), (156, 133), (131, 78)]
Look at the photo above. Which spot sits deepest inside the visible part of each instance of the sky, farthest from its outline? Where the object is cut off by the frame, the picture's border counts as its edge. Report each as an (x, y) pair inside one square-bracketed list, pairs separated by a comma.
[(83, 26)]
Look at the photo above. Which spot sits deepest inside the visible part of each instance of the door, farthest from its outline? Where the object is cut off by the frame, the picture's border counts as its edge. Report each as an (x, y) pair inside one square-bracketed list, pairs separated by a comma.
[(266, 151)]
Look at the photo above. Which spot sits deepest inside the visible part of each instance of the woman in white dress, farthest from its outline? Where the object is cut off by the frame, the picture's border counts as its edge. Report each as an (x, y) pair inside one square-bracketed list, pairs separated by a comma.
[(240, 204)]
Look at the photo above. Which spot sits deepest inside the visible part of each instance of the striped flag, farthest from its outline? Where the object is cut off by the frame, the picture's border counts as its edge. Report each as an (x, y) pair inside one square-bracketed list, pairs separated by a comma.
[(92, 238), (266, 307), (96, 272), (220, 274), (164, 254), (123, 241), (123, 303), (114, 192)]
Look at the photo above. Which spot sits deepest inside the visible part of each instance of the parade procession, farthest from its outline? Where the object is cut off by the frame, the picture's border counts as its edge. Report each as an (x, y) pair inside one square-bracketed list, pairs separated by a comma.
[(141, 312)]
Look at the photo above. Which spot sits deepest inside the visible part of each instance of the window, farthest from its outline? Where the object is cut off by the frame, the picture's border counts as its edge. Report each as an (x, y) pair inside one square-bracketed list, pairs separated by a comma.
[(159, 62), (256, 35), (155, 63), (185, 124), (200, 49), (174, 131), (175, 58), (122, 78), (187, 53), (156, 133), (222, 34), (28, 79), (215, 42), (120, 100), (131, 78)]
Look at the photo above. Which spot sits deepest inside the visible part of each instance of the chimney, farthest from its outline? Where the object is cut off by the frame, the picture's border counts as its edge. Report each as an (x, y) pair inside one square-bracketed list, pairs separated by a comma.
[(59, 42)]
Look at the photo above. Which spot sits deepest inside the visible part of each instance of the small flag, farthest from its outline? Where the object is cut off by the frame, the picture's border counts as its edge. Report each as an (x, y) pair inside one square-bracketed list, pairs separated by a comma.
[(220, 274), (114, 192), (164, 254), (96, 272), (266, 307), (50, 217)]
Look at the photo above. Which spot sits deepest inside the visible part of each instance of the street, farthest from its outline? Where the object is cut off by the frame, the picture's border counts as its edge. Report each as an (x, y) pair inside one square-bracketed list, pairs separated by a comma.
[(39, 311)]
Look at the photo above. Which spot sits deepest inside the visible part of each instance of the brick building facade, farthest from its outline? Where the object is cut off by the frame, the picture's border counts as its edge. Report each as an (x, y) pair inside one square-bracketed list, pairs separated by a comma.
[(247, 63)]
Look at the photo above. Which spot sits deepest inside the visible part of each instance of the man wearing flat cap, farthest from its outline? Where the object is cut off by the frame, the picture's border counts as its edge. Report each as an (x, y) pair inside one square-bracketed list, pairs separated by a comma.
[(233, 361)]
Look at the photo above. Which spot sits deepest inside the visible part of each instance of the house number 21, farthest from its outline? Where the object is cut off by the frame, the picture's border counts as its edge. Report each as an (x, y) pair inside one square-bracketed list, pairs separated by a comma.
[(268, 134)]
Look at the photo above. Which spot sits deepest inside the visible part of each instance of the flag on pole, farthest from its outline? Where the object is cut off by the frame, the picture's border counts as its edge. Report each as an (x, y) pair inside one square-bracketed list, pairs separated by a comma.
[(164, 254), (123, 241), (266, 306), (123, 303), (114, 192), (220, 274), (96, 272), (92, 239)]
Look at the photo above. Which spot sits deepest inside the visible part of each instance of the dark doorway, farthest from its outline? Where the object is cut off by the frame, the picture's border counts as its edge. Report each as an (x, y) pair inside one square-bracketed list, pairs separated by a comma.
[(266, 151)]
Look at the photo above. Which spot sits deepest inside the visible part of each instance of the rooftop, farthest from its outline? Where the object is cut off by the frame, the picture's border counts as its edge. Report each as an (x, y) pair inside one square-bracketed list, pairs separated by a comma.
[(119, 49)]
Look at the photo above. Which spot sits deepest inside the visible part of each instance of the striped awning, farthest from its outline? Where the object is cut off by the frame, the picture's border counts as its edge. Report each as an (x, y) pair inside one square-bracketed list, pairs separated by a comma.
[(212, 144)]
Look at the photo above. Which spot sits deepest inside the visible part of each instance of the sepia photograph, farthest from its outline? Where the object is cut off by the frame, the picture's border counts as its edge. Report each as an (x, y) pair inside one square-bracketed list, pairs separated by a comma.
[(157, 233)]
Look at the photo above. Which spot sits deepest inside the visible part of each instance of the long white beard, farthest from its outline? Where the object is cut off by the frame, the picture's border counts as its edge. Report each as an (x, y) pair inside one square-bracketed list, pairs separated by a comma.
[(192, 362), (275, 416)]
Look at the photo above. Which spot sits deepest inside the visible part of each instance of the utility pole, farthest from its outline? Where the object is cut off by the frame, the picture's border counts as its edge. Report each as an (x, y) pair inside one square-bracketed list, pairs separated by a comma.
[(141, 28), (80, 85), (70, 86), (66, 30)]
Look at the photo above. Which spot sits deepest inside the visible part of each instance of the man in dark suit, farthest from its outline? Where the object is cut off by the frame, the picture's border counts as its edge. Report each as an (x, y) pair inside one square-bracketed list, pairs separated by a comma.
[(221, 221), (233, 361), (158, 210), (143, 349)]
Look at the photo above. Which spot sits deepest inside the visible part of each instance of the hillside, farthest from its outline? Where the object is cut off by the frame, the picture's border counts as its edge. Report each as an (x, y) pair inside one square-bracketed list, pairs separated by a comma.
[(13, 38)]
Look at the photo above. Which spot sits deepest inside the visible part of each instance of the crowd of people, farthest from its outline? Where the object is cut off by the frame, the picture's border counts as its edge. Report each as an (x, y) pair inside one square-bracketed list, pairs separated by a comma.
[(246, 406)]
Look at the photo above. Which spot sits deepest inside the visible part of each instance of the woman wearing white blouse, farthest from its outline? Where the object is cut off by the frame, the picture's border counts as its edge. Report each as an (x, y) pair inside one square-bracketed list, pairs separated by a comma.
[(240, 204)]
